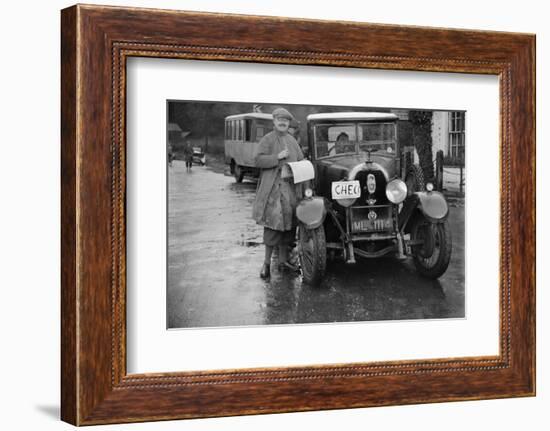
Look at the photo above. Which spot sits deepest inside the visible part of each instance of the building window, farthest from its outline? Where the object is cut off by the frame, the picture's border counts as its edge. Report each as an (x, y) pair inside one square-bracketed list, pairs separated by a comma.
[(456, 135)]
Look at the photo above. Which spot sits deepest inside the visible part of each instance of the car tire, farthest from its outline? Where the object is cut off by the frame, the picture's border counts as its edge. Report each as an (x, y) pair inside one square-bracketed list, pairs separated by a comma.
[(432, 258), (238, 173), (313, 254), (415, 180)]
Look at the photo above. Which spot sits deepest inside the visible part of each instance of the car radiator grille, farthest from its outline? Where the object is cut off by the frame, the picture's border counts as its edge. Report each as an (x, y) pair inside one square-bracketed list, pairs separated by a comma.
[(379, 195)]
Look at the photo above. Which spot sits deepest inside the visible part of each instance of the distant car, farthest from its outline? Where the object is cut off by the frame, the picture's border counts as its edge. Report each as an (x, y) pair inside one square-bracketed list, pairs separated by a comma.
[(366, 201), (198, 156)]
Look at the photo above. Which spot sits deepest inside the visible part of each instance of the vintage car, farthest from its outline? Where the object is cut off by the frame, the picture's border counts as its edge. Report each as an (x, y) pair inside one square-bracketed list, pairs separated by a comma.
[(242, 134), (198, 156), (367, 200)]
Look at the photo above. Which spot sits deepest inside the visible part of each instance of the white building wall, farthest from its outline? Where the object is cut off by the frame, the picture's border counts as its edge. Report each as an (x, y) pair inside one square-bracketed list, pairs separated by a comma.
[(440, 131)]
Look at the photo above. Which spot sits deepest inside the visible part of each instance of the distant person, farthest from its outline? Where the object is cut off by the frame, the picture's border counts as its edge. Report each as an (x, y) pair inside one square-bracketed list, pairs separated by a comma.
[(188, 156), (170, 155), (276, 198), (294, 131)]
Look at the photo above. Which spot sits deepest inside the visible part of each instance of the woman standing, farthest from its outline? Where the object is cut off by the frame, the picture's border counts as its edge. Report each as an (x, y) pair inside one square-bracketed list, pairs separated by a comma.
[(275, 204)]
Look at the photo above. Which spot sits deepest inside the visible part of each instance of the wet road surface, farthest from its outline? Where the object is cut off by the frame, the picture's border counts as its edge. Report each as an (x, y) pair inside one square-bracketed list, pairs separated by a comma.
[(215, 253)]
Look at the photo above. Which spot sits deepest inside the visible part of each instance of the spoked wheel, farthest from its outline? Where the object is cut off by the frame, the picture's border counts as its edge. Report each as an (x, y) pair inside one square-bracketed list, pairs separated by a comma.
[(313, 254), (238, 173), (415, 180), (433, 256)]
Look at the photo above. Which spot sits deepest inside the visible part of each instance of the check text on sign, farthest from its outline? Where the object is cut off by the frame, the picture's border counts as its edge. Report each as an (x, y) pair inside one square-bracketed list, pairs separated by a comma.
[(346, 189)]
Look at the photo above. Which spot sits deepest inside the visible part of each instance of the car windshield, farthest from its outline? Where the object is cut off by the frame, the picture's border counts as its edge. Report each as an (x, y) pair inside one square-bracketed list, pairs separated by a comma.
[(334, 139), (377, 137), (331, 139)]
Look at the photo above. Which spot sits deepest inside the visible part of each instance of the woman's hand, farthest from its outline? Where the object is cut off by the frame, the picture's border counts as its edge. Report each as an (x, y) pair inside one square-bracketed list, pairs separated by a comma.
[(283, 154)]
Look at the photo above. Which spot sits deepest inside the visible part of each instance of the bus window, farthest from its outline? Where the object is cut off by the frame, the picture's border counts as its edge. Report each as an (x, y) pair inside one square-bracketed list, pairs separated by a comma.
[(262, 128), (248, 130)]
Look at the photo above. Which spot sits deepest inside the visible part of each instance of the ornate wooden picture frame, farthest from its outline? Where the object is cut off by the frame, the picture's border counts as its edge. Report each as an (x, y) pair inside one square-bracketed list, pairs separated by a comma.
[(96, 42)]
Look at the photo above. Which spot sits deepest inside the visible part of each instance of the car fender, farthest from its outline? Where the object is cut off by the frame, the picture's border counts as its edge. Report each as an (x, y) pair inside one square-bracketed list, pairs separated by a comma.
[(311, 212), (433, 205)]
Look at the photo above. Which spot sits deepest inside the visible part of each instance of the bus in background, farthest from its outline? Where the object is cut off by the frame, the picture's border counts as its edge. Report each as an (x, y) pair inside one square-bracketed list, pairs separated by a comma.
[(242, 134)]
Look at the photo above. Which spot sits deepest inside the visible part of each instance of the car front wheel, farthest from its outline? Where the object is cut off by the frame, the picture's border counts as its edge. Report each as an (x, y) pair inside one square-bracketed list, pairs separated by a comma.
[(432, 257), (313, 254)]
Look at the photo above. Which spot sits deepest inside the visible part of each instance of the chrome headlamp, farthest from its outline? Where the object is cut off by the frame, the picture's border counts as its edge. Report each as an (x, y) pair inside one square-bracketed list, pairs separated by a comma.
[(396, 191)]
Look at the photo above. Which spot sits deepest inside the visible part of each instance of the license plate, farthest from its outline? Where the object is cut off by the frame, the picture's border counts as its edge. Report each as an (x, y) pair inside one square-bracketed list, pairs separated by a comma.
[(371, 225), (346, 190)]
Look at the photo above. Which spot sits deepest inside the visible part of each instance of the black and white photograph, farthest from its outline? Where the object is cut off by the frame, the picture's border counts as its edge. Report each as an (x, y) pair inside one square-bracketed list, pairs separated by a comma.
[(269, 215), (282, 214)]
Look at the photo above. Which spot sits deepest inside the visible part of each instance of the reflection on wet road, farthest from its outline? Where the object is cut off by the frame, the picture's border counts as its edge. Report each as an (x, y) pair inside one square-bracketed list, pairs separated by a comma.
[(215, 253)]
